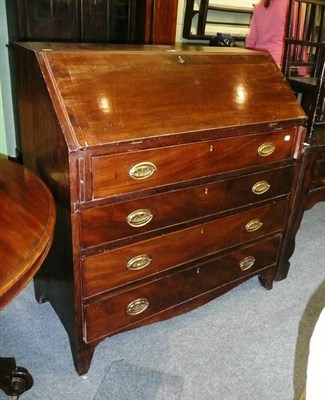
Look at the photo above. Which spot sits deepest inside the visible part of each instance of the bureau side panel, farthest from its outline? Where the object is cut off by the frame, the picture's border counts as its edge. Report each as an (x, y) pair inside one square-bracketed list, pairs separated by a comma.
[(44, 150)]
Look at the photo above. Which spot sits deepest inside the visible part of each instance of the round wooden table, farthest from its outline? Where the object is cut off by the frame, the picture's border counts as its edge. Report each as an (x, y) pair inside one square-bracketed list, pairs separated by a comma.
[(27, 220)]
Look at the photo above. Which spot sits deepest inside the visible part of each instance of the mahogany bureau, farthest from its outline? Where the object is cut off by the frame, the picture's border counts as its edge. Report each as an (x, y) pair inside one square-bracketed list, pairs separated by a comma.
[(176, 173)]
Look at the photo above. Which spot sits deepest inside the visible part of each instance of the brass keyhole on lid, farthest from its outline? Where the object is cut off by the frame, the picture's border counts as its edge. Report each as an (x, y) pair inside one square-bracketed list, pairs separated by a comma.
[(181, 60)]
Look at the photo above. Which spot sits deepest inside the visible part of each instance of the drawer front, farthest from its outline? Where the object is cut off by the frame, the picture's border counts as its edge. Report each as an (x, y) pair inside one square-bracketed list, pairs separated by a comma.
[(123, 310), (120, 266), (128, 172), (128, 219)]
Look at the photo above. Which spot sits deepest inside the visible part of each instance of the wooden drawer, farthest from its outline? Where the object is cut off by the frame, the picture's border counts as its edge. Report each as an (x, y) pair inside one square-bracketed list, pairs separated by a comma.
[(108, 223), (114, 313), (110, 269), (163, 166)]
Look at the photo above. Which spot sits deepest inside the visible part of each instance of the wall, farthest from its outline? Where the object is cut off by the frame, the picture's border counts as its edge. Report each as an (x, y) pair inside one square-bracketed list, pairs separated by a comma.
[(3, 141), (7, 122)]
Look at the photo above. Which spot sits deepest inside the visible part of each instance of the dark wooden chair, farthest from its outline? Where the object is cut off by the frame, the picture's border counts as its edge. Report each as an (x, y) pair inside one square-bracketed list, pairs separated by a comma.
[(304, 69)]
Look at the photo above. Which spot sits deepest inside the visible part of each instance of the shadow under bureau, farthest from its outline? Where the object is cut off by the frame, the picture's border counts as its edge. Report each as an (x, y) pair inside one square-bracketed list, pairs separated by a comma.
[(176, 174)]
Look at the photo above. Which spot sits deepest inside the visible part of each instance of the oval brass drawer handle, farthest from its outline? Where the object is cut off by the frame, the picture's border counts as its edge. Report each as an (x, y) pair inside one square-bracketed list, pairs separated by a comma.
[(142, 170), (247, 263), (139, 218), (266, 149), (139, 262), (253, 225), (261, 187), (137, 306)]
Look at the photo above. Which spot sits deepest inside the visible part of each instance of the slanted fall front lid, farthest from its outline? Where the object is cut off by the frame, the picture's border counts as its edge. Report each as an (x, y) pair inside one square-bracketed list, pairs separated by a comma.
[(121, 93)]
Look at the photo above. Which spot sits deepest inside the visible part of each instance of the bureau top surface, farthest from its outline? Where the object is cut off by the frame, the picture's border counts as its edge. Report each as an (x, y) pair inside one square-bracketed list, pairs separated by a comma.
[(107, 93)]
